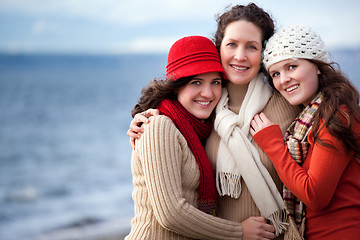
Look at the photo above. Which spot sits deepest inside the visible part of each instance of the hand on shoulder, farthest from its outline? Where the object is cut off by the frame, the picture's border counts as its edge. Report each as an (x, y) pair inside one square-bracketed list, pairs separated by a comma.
[(135, 129), (259, 122)]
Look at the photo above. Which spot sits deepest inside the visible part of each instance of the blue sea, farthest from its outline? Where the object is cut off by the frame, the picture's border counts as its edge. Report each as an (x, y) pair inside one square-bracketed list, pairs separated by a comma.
[(64, 152)]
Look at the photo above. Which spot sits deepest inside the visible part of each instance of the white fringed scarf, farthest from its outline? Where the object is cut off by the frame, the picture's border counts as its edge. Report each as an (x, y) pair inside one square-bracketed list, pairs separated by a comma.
[(237, 156)]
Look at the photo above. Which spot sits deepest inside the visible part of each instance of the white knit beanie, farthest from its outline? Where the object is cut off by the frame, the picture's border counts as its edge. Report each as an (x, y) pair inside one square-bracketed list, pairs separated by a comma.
[(294, 42)]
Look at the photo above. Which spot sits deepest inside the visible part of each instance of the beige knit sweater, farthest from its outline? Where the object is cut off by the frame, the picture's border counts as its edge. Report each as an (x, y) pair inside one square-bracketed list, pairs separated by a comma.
[(277, 110), (166, 181)]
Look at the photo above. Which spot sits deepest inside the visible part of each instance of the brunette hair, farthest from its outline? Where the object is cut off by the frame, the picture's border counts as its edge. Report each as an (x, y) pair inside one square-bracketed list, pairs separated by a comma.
[(158, 90), (251, 13), (339, 107)]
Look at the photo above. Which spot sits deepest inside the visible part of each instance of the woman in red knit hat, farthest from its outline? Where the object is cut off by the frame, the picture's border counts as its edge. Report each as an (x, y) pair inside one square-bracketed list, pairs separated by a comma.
[(174, 188), (249, 187)]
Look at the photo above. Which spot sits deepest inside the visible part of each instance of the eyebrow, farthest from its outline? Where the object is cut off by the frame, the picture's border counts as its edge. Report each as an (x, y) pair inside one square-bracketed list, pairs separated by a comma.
[(198, 78), (248, 41), (287, 64)]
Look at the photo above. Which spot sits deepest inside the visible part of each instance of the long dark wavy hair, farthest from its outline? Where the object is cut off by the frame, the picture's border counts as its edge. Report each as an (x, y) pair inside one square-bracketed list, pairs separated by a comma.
[(159, 89), (340, 101), (251, 13)]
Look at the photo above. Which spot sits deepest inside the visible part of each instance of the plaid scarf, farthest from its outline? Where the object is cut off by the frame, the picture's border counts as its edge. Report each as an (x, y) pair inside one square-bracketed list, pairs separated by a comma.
[(195, 132), (296, 139)]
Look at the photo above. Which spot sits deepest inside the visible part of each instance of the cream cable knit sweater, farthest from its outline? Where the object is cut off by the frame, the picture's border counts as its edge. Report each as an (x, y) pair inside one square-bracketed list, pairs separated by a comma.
[(280, 112), (166, 181)]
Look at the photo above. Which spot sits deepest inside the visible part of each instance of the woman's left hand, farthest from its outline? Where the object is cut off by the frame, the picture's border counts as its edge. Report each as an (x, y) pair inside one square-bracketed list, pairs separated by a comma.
[(259, 122)]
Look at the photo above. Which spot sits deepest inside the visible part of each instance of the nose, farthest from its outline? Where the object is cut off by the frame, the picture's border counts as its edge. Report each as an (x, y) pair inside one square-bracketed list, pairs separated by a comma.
[(284, 78), (240, 55), (207, 91)]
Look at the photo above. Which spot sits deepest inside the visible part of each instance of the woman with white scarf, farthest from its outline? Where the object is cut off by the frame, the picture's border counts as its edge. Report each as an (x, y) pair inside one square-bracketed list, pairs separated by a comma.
[(247, 182)]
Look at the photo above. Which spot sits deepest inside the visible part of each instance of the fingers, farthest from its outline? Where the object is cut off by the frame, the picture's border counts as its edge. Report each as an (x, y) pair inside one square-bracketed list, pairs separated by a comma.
[(135, 126), (133, 132), (252, 131), (259, 122), (151, 112), (132, 143), (269, 228), (254, 125), (269, 235), (259, 219), (140, 118), (263, 117), (257, 228)]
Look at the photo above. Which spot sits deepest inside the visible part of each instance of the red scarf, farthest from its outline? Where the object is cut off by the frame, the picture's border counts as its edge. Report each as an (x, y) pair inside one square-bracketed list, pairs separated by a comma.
[(195, 131)]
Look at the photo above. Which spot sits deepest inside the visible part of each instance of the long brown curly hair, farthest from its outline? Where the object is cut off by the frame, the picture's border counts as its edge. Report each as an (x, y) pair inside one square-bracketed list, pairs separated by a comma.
[(157, 90), (340, 101)]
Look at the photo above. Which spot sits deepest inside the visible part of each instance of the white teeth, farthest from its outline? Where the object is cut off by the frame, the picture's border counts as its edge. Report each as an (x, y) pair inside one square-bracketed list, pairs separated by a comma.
[(203, 103), (292, 88), (239, 68)]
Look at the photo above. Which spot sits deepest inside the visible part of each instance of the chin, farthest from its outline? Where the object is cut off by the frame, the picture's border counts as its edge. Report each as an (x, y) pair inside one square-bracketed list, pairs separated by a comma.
[(295, 102), (202, 116)]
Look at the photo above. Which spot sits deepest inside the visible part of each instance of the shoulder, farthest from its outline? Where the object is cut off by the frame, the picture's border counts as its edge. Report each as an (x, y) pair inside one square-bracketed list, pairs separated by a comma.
[(161, 129), (160, 124), (277, 101), (279, 111), (160, 137), (159, 120)]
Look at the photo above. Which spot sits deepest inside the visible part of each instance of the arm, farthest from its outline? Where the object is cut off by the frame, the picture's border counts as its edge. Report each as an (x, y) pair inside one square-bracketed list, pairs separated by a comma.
[(315, 186), (161, 153)]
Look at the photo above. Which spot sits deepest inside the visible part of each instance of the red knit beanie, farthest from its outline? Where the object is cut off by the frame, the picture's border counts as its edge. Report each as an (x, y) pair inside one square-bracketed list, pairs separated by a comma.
[(191, 56)]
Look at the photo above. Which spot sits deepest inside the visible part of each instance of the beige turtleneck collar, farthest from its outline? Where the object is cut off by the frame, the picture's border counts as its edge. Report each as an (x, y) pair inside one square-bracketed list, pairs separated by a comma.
[(236, 96)]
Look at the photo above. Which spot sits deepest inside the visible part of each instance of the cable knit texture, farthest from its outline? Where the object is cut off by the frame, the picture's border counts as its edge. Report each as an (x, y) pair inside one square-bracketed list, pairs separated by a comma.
[(294, 42), (166, 181)]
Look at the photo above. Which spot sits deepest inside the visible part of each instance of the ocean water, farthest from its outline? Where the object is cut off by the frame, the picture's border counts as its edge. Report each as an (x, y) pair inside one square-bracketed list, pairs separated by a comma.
[(64, 152)]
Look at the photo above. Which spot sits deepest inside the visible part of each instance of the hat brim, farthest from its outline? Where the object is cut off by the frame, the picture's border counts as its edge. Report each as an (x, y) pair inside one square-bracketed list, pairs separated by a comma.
[(197, 68)]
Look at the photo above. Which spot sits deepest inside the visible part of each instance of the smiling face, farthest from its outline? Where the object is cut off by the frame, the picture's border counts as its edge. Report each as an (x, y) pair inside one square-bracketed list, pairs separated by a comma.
[(296, 79), (240, 51), (200, 96)]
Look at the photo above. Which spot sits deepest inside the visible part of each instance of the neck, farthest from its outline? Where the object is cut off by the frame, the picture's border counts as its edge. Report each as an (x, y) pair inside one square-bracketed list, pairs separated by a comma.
[(236, 96)]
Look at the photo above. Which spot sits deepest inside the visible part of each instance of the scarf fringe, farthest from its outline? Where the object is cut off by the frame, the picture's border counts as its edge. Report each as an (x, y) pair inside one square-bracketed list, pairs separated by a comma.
[(293, 233), (228, 184), (279, 220)]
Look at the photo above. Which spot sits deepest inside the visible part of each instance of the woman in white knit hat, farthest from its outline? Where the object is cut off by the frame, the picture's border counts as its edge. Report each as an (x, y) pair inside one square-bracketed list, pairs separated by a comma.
[(318, 159)]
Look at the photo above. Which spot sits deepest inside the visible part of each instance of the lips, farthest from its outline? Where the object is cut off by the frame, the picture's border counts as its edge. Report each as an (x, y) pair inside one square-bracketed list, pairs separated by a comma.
[(204, 103), (240, 68), (292, 88)]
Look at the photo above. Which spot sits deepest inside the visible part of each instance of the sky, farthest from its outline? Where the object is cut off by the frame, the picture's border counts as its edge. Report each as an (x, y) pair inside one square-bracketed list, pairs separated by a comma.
[(151, 26)]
